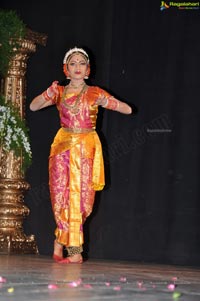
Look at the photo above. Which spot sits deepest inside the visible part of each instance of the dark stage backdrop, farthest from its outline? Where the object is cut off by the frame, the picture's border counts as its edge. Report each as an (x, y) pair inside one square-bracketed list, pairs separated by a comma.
[(149, 210)]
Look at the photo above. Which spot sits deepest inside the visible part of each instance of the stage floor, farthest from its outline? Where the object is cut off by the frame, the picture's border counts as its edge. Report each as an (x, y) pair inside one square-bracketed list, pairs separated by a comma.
[(33, 277)]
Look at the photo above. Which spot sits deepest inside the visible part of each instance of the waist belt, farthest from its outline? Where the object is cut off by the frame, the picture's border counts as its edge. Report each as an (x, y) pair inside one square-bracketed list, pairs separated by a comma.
[(77, 130)]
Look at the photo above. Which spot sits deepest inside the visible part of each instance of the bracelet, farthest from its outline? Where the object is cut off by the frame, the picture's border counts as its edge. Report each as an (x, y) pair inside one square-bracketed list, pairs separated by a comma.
[(50, 89), (46, 96), (111, 103)]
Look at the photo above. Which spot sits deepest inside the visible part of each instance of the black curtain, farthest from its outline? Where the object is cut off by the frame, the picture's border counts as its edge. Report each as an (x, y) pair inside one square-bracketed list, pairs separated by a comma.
[(149, 210)]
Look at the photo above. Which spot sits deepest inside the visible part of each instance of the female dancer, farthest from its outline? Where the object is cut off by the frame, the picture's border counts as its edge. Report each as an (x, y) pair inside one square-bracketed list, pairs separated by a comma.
[(76, 167)]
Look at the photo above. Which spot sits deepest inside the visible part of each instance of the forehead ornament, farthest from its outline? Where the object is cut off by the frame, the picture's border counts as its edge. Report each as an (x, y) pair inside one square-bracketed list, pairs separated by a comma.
[(75, 50)]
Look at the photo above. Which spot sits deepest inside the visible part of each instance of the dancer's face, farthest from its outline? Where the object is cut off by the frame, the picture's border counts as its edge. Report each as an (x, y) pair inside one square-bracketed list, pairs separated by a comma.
[(77, 66)]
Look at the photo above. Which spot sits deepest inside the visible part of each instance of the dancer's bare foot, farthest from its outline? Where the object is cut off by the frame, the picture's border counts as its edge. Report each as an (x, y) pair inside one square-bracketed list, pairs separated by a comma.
[(76, 258), (72, 259)]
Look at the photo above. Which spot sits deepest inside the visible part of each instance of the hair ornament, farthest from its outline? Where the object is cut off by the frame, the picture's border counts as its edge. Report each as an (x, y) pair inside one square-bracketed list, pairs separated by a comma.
[(72, 51)]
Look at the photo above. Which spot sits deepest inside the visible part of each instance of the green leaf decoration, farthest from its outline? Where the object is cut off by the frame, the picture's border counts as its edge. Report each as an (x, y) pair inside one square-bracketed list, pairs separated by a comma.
[(12, 29)]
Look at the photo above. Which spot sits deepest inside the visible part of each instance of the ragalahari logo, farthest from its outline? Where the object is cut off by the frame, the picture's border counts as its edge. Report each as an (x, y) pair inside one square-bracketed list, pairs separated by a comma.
[(179, 5), (164, 5)]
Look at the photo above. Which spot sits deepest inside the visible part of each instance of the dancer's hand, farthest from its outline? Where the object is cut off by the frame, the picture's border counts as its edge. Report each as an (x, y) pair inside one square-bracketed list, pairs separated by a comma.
[(52, 91)]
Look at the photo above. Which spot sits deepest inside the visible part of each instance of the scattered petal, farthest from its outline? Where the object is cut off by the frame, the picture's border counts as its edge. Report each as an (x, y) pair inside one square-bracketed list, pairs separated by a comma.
[(87, 286), (117, 288), (171, 287), (107, 283), (79, 281), (122, 279), (10, 290), (174, 278), (2, 280), (73, 284), (139, 284), (176, 295), (52, 286)]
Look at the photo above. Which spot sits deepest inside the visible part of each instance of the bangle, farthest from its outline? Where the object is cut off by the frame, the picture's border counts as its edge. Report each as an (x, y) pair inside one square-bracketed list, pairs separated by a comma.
[(46, 96), (111, 103), (51, 91)]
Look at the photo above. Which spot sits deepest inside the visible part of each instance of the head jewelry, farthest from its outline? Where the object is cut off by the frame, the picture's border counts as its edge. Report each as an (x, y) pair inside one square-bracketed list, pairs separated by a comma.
[(74, 50)]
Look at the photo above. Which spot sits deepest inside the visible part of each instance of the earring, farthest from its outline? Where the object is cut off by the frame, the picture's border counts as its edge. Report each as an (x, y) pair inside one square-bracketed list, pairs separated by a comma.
[(67, 74), (66, 71), (87, 72)]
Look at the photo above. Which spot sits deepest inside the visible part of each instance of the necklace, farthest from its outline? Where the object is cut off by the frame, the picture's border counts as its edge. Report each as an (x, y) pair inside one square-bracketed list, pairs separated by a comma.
[(74, 107), (76, 86)]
